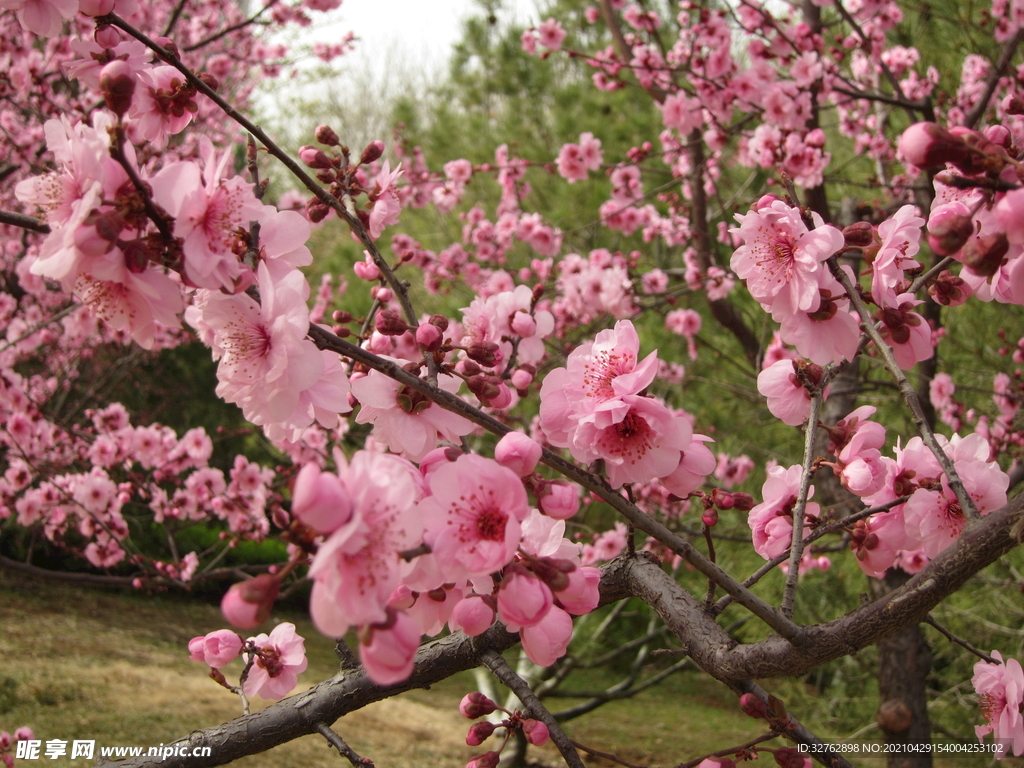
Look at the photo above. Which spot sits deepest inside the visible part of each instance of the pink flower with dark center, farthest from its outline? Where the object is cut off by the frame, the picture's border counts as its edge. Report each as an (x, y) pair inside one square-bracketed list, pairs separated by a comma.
[(780, 254), (1000, 689), (642, 444), (551, 34), (597, 376), (163, 105), (279, 662), (473, 516)]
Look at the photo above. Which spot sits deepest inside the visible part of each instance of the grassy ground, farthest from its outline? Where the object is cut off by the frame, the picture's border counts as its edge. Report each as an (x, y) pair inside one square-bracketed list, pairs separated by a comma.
[(82, 663)]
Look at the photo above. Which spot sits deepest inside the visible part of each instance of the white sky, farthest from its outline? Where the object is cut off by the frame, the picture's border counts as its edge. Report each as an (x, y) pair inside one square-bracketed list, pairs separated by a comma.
[(422, 31)]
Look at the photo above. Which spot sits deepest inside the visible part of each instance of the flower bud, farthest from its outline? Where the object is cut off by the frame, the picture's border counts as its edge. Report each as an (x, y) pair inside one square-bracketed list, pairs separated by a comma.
[(486, 353), (316, 211), (928, 145), (476, 704), (521, 379), (247, 604), (859, 235), (373, 151), (518, 452), (319, 500), (536, 732), (744, 502), (440, 321), (948, 232), (96, 7), (389, 323), (326, 135), (558, 499), (473, 614), (168, 45), (523, 324), (210, 81), (710, 517), (429, 337), (479, 732), (117, 84), (107, 36), (752, 705), (984, 255), (314, 157), (486, 760)]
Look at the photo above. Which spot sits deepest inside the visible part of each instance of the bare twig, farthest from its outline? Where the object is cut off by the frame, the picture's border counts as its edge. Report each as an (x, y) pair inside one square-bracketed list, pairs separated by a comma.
[(343, 749), (796, 548), (958, 640), (494, 662)]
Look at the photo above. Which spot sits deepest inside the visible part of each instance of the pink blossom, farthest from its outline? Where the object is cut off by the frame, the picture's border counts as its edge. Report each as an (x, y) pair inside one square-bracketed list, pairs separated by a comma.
[(638, 445), (1000, 689), (685, 322), (551, 34), (901, 236), (42, 17), (559, 499), (248, 604), (163, 105), (780, 254), (386, 206), (788, 399), (582, 595), (536, 732), (772, 520), (357, 569), (473, 516), (218, 649), (696, 462), (281, 658), (597, 376), (388, 650), (403, 420)]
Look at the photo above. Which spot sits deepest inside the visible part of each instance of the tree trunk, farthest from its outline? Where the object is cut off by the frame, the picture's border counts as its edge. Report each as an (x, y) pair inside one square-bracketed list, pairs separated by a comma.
[(904, 661)]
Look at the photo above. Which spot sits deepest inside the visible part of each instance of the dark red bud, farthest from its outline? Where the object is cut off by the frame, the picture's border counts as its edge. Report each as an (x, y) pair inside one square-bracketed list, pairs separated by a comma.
[(389, 323), (859, 235), (373, 151), (325, 135), (984, 255)]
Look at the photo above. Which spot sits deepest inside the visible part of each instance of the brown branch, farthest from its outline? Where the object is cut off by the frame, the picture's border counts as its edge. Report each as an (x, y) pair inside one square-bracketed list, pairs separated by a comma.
[(25, 222)]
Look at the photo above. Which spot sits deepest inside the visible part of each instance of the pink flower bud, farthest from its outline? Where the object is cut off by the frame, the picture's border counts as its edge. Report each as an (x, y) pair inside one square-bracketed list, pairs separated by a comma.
[(320, 501), (503, 398), (248, 603), (559, 500), (474, 615), (24, 734), (366, 269), (326, 135), (710, 517), (314, 157), (948, 230), (486, 760), (388, 651), (219, 648), (476, 704), (752, 705), (430, 337), (479, 732), (536, 732), (107, 36), (117, 84), (381, 293), (928, 145), (440, 321), (195, 649), (582, 594), (521, 379), (373, 151), (523, 599), (518, 452), (523, 324), (389, 323)]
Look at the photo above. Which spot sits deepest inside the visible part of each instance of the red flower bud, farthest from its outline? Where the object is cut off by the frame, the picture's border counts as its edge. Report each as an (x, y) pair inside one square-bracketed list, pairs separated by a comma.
[(389, 323), (373, 151), (325, 135)]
